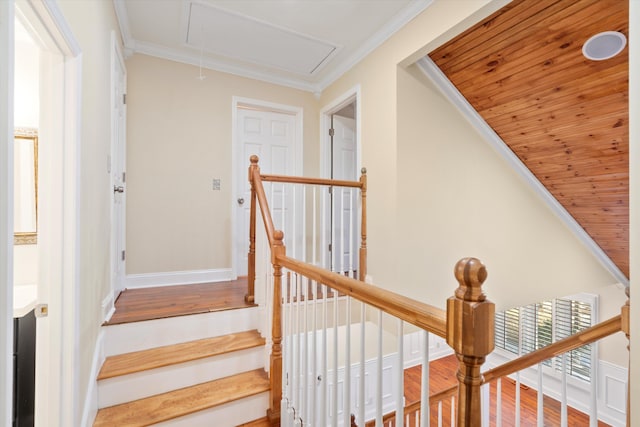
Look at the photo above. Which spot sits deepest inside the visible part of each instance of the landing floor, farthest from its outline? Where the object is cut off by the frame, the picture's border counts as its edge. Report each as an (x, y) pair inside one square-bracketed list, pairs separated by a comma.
[(134, 305)]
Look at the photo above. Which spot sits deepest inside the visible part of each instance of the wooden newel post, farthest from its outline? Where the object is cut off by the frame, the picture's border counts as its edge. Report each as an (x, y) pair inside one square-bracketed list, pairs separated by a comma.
[(251, 256), (363, 225), (470, 332), (275, 371), (625, 312)]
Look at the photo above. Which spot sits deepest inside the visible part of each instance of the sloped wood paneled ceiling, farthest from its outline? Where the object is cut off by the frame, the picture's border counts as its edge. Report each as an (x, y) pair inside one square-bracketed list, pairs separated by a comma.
[(566, 117)]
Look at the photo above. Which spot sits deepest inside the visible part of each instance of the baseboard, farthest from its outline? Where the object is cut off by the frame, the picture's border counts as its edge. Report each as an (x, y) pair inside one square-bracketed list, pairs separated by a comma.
[(90, 408), (108, 306), (170, 278)]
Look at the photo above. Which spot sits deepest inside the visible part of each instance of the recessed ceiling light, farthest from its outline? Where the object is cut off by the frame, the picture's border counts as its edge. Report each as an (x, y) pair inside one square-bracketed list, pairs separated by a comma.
[(604, 45)]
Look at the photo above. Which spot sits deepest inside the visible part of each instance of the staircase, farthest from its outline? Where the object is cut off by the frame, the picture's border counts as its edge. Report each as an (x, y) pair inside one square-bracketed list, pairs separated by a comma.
[(194, 370)]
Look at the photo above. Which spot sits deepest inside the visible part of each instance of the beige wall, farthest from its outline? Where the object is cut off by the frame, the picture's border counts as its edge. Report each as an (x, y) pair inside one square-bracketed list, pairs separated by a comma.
[(178, 140), (92, 23), (438, 192)]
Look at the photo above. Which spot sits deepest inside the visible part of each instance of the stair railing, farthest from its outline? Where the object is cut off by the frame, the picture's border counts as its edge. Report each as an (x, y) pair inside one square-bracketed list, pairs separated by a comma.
[(306, 205), (321, 376)]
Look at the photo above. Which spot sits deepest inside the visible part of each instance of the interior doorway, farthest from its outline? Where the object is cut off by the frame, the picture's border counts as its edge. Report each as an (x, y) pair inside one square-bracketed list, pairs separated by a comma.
[(56, 281), (341, 160), (273, 132)]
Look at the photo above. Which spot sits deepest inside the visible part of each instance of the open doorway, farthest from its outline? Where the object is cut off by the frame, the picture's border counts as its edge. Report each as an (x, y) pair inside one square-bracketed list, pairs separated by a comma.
[(53, 266), (341, 160)]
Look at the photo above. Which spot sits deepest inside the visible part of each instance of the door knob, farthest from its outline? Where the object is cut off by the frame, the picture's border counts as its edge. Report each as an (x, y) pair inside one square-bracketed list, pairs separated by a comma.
[(118, 189), (240, 201)]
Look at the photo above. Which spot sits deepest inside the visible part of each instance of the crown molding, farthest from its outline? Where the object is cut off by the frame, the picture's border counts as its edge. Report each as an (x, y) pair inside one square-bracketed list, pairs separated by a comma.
[(401, 19), (178, 55), (315, 86)]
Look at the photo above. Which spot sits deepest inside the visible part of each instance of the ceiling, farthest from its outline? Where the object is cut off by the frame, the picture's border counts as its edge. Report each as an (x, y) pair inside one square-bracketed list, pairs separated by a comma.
[(305, 44), (564, 116)]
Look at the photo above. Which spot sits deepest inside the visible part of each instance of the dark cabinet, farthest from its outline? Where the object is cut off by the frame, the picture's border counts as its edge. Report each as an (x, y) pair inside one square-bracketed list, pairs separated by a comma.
[(24, 369)]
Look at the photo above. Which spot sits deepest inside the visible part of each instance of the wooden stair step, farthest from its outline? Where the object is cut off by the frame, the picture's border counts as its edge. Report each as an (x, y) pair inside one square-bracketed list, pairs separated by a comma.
[(174, 404), (260, 422), (158, 357)]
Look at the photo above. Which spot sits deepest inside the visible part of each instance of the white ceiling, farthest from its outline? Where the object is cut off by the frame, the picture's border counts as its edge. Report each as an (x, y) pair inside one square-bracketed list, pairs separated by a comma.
[(305, 44)]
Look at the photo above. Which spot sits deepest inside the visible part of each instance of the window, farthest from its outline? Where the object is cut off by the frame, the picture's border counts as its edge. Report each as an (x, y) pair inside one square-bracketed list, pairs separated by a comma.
[(522, 330)]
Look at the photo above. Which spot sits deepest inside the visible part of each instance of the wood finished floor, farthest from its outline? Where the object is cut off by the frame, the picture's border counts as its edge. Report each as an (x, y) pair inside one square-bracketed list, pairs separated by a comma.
[(442, 374), (134, 305)]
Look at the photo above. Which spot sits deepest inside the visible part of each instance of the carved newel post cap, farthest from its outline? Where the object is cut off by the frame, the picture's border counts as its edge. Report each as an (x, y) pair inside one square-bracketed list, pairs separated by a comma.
[(470, 316), (254, 159), (363, 171), (278, 235), (470, 274)]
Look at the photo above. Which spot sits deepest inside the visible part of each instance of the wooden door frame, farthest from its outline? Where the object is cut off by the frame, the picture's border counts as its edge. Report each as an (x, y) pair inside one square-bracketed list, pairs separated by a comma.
[(353, 94), (238, 102)]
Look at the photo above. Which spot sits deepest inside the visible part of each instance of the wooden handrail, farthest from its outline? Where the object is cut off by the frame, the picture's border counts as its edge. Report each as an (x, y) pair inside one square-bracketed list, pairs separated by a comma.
[(425, 316), (584, 337), (311, 181), (587, 336), (256, 183)]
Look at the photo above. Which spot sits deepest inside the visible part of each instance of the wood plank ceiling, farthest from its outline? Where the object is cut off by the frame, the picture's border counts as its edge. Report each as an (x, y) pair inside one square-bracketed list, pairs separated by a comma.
[(566, 117)]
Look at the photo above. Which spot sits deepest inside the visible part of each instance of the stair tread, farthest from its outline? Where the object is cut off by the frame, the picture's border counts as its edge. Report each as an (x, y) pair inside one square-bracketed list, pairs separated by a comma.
[(158, 357), (166, 406)]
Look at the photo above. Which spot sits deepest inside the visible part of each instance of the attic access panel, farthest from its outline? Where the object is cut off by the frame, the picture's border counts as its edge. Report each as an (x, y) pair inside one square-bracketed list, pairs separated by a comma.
[(243, 38)]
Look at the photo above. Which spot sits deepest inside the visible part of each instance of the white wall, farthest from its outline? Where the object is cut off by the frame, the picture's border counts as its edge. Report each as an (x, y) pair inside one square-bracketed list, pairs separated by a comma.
[(91, 23), (178, 140)]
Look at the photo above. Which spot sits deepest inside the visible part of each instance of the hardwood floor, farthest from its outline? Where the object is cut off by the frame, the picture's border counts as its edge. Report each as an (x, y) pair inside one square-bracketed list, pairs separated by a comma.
[(134, 305), (442, 373)]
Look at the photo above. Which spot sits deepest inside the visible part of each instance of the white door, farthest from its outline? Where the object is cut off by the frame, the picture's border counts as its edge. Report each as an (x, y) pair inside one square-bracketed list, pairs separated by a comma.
[(345, 221), (118, 174), (272, 137)]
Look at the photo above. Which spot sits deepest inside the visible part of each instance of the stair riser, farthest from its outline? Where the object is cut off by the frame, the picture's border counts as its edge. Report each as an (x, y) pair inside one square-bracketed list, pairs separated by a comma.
[(227, 415), (113, 391), (129, 337)]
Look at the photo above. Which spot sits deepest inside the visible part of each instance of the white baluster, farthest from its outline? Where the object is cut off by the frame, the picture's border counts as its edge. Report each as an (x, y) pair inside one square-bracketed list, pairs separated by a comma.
[(304, 412), (540, 411), (563, 401), (294, 217), (347, 365), (324, 245), (298, 350), (593, 416), (314, 352), (334, 396), (440, 413), (453, 410), (400, 376), (424, 383), (485, 404), (313, 227), (325, 360), (517, 402), (334, 221), (342, 231), (379, 373), (351, 235), (499, 403), (362, 361)]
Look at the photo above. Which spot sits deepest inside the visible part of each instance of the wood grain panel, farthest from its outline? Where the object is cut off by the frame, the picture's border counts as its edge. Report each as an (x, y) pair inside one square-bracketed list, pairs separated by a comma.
[(566, 117)]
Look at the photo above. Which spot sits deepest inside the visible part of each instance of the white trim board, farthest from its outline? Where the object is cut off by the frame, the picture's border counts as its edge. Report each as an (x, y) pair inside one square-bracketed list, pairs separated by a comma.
[(431, 70), (169, 278), (90, 408), (6, 211)]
